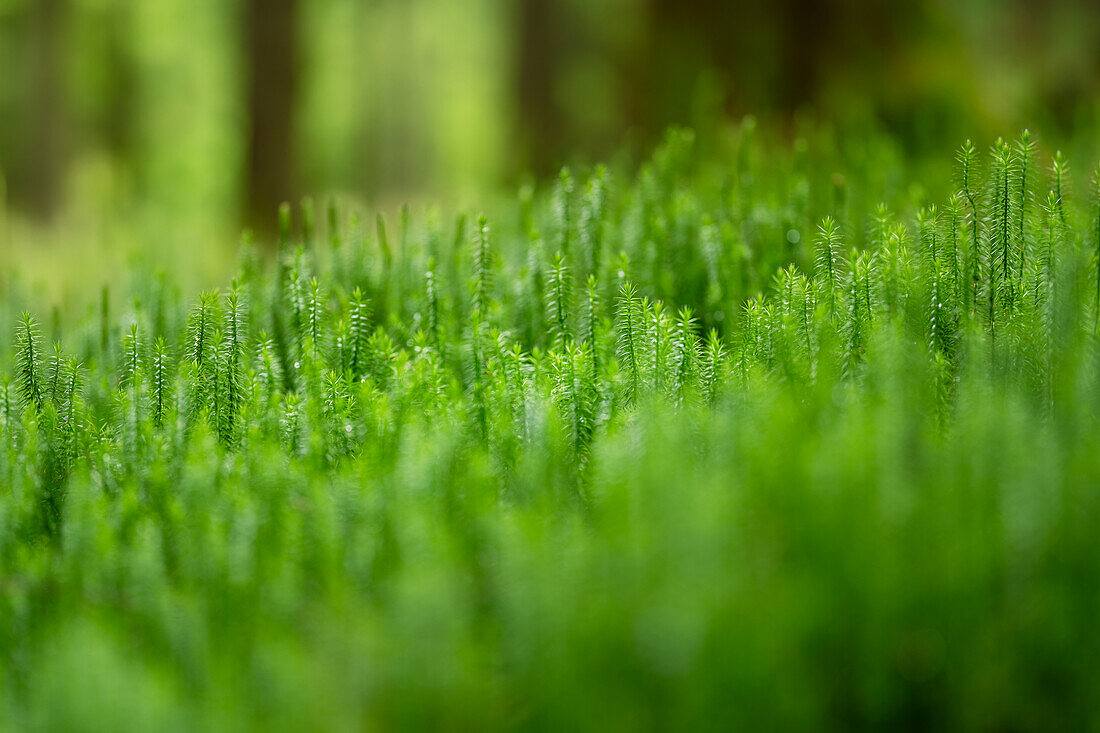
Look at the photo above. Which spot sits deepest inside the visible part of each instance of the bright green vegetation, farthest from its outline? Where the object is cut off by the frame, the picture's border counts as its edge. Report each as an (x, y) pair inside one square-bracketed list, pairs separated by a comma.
[(719, 445)]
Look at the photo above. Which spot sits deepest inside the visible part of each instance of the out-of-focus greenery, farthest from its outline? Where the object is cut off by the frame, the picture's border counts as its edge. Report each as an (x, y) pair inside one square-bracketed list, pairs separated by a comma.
[(722, 444), (110, 106)]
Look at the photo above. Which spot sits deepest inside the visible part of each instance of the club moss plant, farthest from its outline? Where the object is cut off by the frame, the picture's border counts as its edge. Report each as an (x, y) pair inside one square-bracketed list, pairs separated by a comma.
[(723, 443)]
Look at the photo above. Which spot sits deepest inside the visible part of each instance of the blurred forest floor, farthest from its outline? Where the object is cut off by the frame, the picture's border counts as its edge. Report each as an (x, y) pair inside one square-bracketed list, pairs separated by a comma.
[(166, 126)]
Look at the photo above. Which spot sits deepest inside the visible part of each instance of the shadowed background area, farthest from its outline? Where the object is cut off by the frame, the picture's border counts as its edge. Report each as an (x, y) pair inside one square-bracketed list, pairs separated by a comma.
[(217, 110)]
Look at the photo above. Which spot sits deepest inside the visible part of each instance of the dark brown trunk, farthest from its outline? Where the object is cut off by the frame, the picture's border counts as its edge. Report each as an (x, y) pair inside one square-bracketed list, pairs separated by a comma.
[(37, 174), (272, 56), (118, 118), (540, 120), (807, 26)]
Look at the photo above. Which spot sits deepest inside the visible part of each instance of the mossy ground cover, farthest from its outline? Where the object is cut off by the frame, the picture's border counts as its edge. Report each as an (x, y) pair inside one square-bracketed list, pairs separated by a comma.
[(720, 443)]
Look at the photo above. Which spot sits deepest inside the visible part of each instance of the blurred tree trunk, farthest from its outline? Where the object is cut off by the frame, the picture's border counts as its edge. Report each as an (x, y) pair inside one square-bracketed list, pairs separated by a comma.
[(540, 118), (769, 56), (272, 61), (38, 172), (807, 25), (121, 104)]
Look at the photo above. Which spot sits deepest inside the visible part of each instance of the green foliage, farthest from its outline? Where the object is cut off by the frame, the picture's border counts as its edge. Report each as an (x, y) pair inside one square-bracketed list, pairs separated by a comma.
[(482, 273), (558, 305), (161, 387), (628, 325), (232, 379), (452, 481), (28, 365), (829, 263)]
